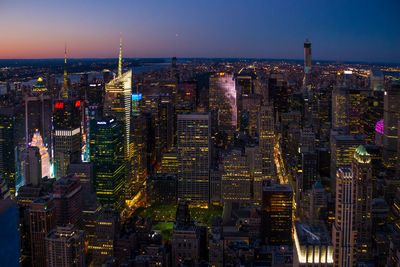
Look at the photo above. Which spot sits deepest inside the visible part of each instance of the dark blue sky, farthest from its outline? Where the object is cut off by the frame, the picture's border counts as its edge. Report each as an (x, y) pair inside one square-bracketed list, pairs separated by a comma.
[(339, 30)]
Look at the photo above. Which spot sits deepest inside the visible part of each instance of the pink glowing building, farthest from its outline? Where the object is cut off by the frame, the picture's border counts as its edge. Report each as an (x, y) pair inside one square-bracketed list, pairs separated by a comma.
[(379, 133), (37, 141)]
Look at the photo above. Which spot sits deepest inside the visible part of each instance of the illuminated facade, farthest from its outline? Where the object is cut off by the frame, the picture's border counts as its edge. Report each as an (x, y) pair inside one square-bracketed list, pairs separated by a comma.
[(357, 110), (362, 186), (342, 151), (343, 226), (340, 108), (118, 100), (139, 147), (254, 156), (136, 97), (313, 244), (379, 130), (194, 145), (236, 179), (391, 117), (37, 141), (222, 98), (169, 162), (108, 161), (67, 135), (251, 104), (266, 128), (38, 112), (277, 209), (8, 144), (117, 103)]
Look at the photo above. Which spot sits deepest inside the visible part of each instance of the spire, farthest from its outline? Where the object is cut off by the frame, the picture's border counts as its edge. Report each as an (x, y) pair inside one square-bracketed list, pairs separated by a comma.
[(65, 89), (120, 56)]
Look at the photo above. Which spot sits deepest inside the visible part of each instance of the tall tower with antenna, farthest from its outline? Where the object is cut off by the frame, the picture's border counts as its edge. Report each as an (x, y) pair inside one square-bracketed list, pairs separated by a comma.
[(307, 64), (120, 56), (65, 89)]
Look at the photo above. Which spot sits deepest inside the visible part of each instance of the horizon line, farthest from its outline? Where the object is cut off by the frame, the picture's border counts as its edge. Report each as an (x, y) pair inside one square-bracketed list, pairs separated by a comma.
[(210, 58)]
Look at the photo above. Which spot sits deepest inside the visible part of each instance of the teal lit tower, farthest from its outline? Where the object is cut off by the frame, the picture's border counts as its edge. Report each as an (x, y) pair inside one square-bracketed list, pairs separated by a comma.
[(107, 156)]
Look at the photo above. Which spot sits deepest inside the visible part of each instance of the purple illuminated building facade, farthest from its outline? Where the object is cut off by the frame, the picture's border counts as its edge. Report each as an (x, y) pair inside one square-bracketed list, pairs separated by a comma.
[(379, 131)]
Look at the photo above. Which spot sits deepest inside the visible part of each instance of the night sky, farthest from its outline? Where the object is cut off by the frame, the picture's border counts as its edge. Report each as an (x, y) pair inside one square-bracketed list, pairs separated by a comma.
[(361, 30)]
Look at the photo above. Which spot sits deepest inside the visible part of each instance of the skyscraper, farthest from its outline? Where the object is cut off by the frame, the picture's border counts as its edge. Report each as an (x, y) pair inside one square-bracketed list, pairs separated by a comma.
[(41, 221), (33, 170), (117, 103), (362, 186), (8, 145), (65, 247), (67, 135), (194, 152), (38, 111), (277, 205), (342, 151), (391, 117), (236, 180), (185, 240), (313, 244), (266, 128), (340, 108), (307, 65), (343, 226), (37, 141), (68, 200), (222, 99), (107, 155)]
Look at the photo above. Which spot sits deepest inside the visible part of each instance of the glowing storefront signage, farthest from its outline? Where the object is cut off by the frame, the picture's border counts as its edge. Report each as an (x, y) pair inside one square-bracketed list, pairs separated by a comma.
[(136, 97)]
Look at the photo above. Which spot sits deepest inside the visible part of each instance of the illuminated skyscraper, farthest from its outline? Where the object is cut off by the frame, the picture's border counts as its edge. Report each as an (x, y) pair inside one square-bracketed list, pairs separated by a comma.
[(67, 135), (277, 205), (65, 88), (391, 117), (107, 157), (342, 150), (236, 180), (222, 98), (340, 108), (38, 112), (38, 109), (362, 186), (8, 143), (118, 100), (194, 152), (254, 156), (313, 244), (343, 226), (37, 141), (357, 110), (266, 128)]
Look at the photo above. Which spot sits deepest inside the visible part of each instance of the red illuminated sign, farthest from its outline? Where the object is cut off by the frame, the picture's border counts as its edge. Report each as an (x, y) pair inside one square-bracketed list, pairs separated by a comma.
[(59, 105), (78, 103)]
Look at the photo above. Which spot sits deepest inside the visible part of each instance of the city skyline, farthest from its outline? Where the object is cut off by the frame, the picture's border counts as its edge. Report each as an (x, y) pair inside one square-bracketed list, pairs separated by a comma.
[(202, 30)]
